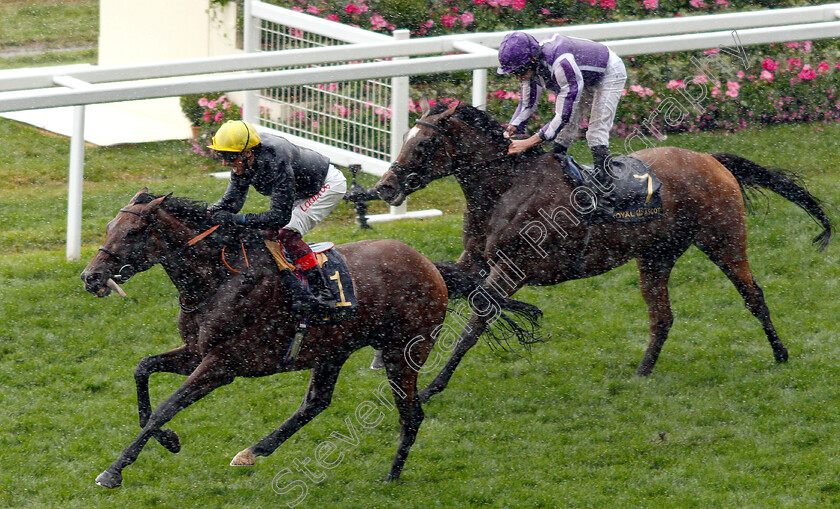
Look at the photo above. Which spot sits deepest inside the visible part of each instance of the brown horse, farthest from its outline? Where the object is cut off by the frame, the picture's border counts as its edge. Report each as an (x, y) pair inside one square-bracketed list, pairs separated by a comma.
[(235, 319), (525, 223)]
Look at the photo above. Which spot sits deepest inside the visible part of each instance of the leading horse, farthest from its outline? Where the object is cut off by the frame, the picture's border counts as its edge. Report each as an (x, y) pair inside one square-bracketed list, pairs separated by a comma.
[(526, 224), (235, 319)]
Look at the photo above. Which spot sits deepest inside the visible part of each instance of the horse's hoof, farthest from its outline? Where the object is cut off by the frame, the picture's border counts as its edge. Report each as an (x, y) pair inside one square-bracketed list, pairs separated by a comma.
[(108, 479), (246, 458), (169, 439), (781, 355), (377, 362)]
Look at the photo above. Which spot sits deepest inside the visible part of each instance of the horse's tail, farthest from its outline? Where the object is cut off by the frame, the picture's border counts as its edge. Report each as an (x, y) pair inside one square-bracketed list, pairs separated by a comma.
[(513, 318), (785, 183)]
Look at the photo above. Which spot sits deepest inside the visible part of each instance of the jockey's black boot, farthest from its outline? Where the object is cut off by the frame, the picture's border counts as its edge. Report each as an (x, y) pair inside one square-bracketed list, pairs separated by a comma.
[(559, 153), (320, 287), (604, 181), (303, 302)]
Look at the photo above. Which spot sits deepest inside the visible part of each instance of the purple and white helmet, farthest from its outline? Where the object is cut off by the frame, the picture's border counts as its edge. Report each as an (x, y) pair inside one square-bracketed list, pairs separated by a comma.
[(516, 51)]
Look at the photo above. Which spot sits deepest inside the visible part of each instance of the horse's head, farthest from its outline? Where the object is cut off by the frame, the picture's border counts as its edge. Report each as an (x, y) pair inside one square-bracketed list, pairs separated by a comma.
[(126, 250), (444, 141), (427, 154)]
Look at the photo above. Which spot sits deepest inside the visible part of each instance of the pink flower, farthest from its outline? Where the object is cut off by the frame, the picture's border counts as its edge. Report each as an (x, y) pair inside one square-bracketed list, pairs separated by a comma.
[(545, 12), (700, 79), (607, 4), (333, 17), (767, 76), (792, 44), (674, 84), (211, 104), (822, 67), (794, 63), (467, 18), (518, 5), (352, 8), (711, 51), (638, 89), (341, 110), (806, 46), (219, 117), (722, 3), (732, 88), (203, 101), (807, 73), (311, 9), (499, 94), (697, 4), (769, 64), (448, 20), (651, 4), (378, 21), (479, 2)]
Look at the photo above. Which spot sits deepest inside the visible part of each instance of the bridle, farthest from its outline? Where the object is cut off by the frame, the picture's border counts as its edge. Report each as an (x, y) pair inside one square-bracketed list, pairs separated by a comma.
[(414, 181), (128, 269)]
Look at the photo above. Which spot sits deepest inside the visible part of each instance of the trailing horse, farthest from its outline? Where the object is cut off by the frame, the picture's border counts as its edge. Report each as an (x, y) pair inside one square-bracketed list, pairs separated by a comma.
[(526, 224)]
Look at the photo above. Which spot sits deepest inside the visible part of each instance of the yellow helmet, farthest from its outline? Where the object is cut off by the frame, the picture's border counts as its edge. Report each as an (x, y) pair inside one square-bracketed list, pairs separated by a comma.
[(235, 136)]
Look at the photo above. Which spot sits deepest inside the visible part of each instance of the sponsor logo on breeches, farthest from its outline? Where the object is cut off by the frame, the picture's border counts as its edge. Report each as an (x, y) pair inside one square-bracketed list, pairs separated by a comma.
[(312, 199)]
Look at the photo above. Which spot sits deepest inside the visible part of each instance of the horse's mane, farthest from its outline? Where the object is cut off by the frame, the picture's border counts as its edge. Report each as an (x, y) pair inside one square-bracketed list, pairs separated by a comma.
[(182, 208), (473, 116)]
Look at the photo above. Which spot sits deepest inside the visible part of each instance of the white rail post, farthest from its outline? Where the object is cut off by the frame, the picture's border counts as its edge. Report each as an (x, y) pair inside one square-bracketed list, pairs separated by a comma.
[(399, 115), (250, 44), (75, 180), (479, 89)]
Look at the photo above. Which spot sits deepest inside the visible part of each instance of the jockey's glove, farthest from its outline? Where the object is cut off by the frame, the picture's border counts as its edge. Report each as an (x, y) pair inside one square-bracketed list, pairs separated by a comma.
[(225, 218)]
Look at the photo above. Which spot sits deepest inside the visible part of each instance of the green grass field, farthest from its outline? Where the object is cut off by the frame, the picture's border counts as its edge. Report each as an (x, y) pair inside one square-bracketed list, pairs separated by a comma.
[(718, 424)]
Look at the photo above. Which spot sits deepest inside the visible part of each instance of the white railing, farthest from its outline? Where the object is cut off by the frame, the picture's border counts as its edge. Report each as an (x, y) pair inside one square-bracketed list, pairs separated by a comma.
[(25, 89)]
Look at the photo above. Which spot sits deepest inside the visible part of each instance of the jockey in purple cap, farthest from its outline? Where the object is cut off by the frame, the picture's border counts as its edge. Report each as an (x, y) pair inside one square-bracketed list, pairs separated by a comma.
[(584, 75)]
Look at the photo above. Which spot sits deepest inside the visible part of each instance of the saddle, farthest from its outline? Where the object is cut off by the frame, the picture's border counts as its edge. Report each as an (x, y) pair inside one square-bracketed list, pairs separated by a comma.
[(636, 195), (335, 268), (337, 272)]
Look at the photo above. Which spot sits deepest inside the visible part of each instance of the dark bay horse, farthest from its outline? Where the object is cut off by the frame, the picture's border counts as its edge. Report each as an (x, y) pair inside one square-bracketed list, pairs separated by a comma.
[(235, 319), (525, 224)]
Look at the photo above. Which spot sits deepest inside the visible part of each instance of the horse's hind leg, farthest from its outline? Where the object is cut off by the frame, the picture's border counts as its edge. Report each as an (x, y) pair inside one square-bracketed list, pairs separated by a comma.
[(403, 380), (180, 361), (318, 397), (738, 271)]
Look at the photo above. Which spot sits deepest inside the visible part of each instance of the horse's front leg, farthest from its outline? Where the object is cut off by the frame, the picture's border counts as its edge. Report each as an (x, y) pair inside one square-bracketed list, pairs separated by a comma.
[(466, 340), (209, 375), (318, 397), (180, 361)]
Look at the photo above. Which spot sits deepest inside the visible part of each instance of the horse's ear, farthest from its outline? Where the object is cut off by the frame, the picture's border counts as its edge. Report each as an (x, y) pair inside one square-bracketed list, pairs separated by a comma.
[(142, 191), (155, 204), (451, 110), (424, 105)]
